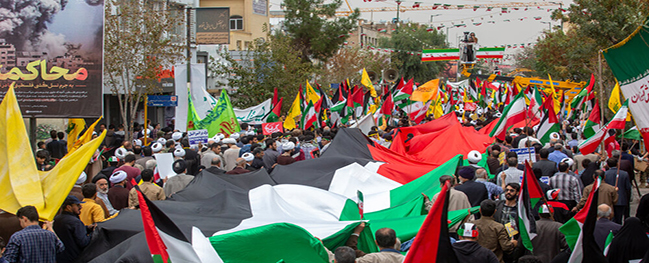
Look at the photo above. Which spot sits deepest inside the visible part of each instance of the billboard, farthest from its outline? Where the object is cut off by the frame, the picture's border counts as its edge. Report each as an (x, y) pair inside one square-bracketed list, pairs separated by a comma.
[(212, 25), (52, 52)]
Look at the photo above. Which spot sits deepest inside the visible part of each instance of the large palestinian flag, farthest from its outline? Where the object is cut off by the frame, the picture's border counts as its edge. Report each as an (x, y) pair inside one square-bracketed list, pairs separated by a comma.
[(303, 201), (530, 194)]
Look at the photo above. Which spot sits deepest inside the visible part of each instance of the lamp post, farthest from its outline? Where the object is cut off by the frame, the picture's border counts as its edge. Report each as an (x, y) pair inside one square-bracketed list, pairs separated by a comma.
[(549, 25), (431, 18)]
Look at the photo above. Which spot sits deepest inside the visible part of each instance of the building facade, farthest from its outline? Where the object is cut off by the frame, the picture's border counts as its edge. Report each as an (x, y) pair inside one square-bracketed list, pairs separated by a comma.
[(247, 19)]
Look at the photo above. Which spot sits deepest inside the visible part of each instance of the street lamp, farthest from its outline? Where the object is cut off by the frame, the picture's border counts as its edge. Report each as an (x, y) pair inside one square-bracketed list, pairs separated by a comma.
[(549, 25), (431, 18)]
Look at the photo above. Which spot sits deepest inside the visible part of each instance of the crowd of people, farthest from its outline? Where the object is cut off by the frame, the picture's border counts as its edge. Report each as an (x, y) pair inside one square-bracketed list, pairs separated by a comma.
[(493, 185)]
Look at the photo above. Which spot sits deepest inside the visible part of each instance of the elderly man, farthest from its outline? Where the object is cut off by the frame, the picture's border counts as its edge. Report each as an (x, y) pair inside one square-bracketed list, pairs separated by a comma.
[(240, 168), (476, 192), (118, 194), (493, 189), (386, 239), (557, 155), (607, 193), (604, 225)]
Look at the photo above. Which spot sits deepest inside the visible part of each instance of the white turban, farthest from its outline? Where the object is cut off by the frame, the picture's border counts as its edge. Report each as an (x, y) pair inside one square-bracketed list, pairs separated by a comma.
[(179, 153), (176, 136), (288, 146), (82, 178), (248, 157), (156, 147), (474, 157), (118, 177)]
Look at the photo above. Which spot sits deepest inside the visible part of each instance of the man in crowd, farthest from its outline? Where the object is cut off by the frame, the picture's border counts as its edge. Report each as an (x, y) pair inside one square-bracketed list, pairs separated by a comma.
[(619, 179), (179, 181), (457, 200), (607, 193), (467, 248), (91, 212), (55, 147), (148, 155), (568, 184), (102, 192), (286, 157), (493, 235), (512, 174), (604, 225), (32, 243), (72, 232), (118, 194), (215, 166), (231, 154), (258, 162), (385, 239), (476, 192), (148, 188), (549, 241), (239, 168), (344, 254), (212, 152), (548, 167), (127, 167), (557, 155), (493, 189), (507, 210), (270, 154)]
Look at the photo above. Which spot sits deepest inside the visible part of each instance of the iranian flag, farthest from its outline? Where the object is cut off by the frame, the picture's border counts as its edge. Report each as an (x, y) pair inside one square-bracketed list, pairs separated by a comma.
[(629, 62), (273, 116), (512, 114), (530, 194), (493, 52), (429, 55), (310, 117), (585, 94), (165, 240), (594, 121), (618, 122), (549, 123)]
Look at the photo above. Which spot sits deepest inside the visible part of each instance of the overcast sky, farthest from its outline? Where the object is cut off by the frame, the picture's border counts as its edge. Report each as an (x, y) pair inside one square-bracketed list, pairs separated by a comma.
[(489, 34)]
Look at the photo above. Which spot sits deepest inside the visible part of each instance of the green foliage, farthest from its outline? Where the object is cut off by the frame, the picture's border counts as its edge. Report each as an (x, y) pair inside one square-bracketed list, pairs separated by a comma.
[(272, 64), (410, 38), (314, 30), (347, 62)]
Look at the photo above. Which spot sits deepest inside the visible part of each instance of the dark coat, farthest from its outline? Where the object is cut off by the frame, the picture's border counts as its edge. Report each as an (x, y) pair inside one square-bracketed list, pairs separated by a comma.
[(476, 192)]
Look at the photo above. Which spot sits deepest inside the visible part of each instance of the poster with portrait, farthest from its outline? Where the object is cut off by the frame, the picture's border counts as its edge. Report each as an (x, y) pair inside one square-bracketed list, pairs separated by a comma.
[(52, 52)]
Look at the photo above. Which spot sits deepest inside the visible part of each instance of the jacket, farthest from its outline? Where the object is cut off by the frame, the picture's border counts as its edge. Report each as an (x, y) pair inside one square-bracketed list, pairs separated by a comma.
[(549, 241), (623, 185), (476, 192), (73, 234), (152, 191), (471, 251), (607, 195), (493, 236)]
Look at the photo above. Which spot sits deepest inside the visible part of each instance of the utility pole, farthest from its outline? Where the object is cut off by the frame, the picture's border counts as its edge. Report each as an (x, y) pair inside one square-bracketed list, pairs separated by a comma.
[(398, 6)]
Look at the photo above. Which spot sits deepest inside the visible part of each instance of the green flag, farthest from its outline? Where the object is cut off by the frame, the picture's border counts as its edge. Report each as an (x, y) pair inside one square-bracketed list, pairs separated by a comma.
[(220, 120)]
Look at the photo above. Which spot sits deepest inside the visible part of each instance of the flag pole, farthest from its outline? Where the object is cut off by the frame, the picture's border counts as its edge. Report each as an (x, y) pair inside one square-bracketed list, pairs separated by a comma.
[(601, 97), (619, 160)]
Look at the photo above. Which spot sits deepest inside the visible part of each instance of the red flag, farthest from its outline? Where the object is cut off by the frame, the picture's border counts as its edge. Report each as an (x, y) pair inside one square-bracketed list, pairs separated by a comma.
[(388, 105), (271, 127), (432, 243), (153, 239), (589, 88), (275, 97)]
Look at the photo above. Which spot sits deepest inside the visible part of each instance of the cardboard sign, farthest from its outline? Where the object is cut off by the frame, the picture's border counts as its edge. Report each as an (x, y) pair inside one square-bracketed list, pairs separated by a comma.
[(525, 154), (272, 127), (197, 136)]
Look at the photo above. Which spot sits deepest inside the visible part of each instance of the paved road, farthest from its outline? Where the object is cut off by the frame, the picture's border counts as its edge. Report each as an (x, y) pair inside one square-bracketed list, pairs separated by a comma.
[(636, 198)]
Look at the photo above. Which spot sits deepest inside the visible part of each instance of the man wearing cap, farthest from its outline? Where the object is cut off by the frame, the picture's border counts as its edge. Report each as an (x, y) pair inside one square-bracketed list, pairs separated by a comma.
[(569, 185), (476, 192), (607, 193), (212, 152), (72, 232), (76, 188), (493, 235), (286, 157), (231, 154), (148, 188), (549, 241), (118, 194), (467, 248), (240, 168), (32, 243), (127, 167)]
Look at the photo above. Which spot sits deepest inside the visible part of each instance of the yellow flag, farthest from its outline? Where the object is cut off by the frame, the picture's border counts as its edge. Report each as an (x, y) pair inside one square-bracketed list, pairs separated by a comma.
[(426, 92), (365, 80), (614, 102), (294, 111), (19, 181), (58, 182), (311, 95), (75, 126), (557, 99), (85, 138), (437, 110)]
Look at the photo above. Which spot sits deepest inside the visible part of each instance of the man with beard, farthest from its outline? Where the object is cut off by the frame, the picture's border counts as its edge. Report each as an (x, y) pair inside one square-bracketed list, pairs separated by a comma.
[(102, 192), (506, 210), (72, 232)]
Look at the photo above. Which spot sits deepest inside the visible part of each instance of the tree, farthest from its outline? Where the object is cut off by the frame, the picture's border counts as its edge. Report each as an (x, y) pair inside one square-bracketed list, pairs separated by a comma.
[(315, 31), (411, 39), (346, 63), (138, 45), (269, 65)]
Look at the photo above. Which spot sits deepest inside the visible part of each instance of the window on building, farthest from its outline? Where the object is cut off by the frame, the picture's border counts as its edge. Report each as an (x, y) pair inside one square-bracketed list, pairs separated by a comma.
[(236, 23)]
